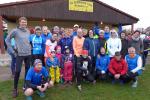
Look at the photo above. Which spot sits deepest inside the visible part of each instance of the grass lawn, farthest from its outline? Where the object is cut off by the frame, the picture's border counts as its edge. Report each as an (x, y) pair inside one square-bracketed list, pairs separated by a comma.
[(100, 91)]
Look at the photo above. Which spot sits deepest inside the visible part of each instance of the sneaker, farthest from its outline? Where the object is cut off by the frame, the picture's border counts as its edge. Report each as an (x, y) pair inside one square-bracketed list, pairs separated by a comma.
[(41, 94), (121, 82), (94, 82), (134, 84), (28, 98), (143, 68), (79, 87), (15, 93), (70, 82), (65, 82), (113, 81)]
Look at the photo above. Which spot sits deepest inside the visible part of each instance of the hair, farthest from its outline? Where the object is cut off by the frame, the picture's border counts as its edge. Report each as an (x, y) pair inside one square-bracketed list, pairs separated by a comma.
[(136, 31), (22, 18)]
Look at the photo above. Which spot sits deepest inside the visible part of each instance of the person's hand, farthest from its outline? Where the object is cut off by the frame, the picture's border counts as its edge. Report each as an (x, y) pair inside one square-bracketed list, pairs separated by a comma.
[(89, 57), (98, 56), (103, 72), (117, 76), (51, 84), (40, 89)]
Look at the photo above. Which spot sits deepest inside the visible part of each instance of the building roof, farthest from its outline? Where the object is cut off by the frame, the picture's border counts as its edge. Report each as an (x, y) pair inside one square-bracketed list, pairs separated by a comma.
[(59, 10)]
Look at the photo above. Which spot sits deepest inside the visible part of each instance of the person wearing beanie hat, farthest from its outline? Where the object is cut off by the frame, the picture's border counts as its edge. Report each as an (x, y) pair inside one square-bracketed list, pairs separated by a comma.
[(37, 79), (67, 66), (36, 43), (53, 65), (118, 69), (83, 69)]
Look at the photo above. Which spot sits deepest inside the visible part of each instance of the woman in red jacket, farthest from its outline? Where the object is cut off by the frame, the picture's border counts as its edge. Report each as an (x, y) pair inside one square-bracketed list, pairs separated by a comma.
[(118, 68)]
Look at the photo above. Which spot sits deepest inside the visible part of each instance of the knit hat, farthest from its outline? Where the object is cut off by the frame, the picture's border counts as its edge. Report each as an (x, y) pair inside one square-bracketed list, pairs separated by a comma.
[(84, 52), (37, 61)]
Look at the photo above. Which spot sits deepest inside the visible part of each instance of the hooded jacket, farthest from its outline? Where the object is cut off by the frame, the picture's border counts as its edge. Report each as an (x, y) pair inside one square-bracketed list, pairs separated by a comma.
[(114, 45)]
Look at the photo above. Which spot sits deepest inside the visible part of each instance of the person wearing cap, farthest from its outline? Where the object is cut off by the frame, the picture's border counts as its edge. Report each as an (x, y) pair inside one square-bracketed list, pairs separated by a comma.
[(37, 80), (134, 62), (118, 69), (53, 65), (36, 43), (75, 28), (102, 63), (66, 41), (96, 30), (92, 45), (45, 36), (83, 69), (22, 52), (67, 66), (113, 43)]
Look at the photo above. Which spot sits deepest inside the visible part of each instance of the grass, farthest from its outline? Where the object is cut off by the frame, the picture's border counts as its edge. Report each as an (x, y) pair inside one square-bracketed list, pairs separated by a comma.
[(100, 91)]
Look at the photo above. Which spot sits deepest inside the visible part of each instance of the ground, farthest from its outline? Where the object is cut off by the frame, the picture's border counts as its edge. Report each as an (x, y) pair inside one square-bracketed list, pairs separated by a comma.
[(99, 91)]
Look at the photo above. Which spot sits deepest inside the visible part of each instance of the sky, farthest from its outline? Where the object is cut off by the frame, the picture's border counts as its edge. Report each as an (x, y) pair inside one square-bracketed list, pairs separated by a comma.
[(137, 8)]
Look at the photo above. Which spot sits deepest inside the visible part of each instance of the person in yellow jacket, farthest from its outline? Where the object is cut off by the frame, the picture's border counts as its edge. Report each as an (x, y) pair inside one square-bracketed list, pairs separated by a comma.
[(54, 67)]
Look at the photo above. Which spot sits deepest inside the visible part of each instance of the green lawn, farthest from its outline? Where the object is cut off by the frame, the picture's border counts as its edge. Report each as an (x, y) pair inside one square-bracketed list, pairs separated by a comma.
[(100, 91)]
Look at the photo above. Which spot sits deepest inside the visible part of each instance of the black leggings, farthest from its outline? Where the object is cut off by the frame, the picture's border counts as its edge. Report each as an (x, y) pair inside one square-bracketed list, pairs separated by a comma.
[(19, 60)]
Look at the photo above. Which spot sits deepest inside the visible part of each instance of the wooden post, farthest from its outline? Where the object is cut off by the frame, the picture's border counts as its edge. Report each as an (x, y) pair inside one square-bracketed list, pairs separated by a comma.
[(132, 28), (1, 36)]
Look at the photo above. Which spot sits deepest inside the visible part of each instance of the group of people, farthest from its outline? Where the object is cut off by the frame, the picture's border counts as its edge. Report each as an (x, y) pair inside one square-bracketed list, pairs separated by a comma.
[(59, 56)]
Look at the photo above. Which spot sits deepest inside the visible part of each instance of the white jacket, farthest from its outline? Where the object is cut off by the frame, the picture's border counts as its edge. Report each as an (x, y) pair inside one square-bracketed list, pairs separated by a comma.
[(113, 45)]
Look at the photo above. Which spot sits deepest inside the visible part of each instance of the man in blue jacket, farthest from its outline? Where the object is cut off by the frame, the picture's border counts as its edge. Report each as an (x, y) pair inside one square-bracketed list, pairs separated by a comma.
[(134, 62), (36, 80)]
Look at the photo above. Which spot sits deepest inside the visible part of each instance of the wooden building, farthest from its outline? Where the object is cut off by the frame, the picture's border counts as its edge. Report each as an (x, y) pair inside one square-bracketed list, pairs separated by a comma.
[(63, 13)]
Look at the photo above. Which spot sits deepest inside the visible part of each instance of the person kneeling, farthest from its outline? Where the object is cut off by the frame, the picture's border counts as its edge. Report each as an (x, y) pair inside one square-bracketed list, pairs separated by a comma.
[(83, 69), (118, 69), (134, 62), (102, 63), (36, 80)]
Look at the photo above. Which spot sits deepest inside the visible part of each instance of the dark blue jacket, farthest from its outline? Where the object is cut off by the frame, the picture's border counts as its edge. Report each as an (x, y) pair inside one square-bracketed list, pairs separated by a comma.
[(92, 45), (66, 41)]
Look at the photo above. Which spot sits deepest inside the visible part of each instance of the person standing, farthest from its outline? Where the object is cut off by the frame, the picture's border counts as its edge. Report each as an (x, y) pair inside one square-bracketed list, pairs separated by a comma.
[(23, 50), (124, 43), (113, 43)]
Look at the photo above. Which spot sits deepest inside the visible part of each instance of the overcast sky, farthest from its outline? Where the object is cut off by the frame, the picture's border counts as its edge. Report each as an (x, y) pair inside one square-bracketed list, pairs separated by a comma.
[(137, 8)]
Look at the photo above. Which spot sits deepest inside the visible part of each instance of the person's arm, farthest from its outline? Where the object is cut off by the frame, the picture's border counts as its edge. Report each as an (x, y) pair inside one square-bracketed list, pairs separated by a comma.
[(29, 84), (141, 46), (111, 68), (47, 49), (125, 68), (49, 62), (86, 44), (11, 35), (108, 61), (119, 45), (109, 47), (97, 63), (139, 65)]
